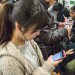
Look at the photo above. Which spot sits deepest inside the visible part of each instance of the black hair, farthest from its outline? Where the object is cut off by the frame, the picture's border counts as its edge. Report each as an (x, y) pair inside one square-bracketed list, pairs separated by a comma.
[(27, 13), (72, 8), (57, 6), (6, 28)]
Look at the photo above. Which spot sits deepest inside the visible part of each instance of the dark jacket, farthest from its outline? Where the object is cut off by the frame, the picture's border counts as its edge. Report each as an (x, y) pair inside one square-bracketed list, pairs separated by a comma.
[(73, 33), (62, 13), (60, 17), (52, 40), (52, 37), (66, 12)]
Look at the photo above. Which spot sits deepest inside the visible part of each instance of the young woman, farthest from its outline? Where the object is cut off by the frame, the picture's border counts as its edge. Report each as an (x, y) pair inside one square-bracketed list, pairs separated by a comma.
[(19, 54)]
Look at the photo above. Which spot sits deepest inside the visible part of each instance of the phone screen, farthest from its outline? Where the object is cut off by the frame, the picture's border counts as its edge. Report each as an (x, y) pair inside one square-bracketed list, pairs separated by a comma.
[(57, 56)]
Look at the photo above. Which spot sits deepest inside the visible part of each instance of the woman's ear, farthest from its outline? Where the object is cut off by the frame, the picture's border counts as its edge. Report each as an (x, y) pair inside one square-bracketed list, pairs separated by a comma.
[(17, 26)]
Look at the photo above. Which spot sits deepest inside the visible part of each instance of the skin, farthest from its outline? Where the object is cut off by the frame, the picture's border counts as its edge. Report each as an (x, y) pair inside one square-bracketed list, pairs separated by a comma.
[(0, 4), (72, 13), (20, 36)]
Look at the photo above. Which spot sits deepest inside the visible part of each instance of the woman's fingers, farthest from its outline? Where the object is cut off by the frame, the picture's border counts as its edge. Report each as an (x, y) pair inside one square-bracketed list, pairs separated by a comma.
[(69, 52)]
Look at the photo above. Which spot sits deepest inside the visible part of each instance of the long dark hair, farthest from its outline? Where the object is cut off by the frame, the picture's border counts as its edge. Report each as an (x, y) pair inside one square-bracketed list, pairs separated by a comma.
[(26, 12), (6, 28)]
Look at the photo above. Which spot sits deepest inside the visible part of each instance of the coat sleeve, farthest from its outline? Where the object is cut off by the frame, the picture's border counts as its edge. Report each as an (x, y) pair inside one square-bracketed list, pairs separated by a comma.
[(8, 66), (45, 68), (52, 37)]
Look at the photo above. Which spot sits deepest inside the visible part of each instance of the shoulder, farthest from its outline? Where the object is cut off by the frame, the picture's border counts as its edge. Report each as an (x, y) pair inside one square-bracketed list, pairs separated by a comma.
[(8, 60), (10, 66), (33, 43)]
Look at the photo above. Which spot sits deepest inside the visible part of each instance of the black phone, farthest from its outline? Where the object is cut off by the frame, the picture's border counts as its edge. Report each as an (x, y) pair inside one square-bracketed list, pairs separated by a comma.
[(59, 55)]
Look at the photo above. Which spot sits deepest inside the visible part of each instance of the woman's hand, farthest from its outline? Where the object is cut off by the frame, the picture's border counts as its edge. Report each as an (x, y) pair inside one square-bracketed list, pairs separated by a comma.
[(68, 29), (70, 51), (54, 63)]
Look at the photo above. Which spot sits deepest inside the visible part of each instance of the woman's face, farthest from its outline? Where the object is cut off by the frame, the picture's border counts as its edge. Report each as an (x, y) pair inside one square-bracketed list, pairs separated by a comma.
[(72, 13), (29, 34)]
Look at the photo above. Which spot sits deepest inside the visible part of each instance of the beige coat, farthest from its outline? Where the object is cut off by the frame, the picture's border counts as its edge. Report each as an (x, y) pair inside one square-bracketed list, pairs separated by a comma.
[(12, 62)]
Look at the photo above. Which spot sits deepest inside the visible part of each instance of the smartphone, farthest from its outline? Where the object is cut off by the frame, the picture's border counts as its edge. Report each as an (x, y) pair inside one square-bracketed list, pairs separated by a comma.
[(59, 55)]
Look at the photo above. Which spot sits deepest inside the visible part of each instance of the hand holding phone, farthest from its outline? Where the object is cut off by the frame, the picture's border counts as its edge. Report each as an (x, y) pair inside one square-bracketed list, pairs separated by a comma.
[(54, 63), (59, 55)]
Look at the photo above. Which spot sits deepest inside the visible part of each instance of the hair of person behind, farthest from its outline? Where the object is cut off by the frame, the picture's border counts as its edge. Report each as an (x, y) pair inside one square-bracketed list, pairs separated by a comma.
[(57, 6)]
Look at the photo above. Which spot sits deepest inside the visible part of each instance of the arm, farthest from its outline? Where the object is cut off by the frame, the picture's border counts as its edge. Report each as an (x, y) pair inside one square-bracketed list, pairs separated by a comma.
[(10, 66), (51, 37), (69, 52), (46, 69)]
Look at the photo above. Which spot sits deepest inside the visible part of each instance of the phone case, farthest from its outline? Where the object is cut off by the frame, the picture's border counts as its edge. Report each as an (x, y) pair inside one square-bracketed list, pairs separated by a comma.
[(58, 57)]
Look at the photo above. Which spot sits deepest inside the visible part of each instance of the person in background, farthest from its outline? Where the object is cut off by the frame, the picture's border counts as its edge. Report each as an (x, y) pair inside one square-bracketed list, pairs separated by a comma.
[(20, 23), (53, 37), (72, 36), (52, 12), (71, 65), (61, 12), (72, 14)]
